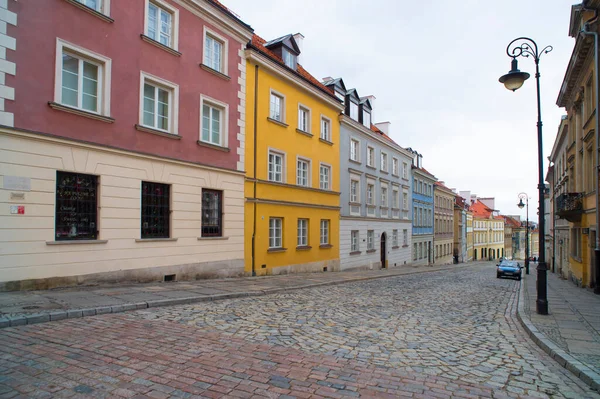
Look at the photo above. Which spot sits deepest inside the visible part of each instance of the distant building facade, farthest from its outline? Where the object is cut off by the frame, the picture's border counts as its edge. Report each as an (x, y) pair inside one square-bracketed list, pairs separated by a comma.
[(444, 199), (423, 212)]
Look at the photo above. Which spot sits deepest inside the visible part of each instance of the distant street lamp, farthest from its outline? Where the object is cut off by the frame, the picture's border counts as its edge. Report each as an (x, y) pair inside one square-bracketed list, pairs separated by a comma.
[(512, 81), (521, 205)]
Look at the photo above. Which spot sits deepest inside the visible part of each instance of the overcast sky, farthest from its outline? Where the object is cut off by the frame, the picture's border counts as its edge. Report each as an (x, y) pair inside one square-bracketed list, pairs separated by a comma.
[(433, 66)]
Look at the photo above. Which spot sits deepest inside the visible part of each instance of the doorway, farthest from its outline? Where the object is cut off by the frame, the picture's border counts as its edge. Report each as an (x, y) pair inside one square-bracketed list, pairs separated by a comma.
[(383, 251)]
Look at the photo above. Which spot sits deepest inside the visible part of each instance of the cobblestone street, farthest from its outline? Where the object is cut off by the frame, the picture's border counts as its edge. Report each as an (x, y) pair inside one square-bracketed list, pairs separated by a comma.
[(441, 334)]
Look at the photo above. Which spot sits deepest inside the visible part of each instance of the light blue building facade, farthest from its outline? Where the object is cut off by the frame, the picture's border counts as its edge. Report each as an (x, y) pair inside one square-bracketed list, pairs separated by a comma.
[(423, 212)]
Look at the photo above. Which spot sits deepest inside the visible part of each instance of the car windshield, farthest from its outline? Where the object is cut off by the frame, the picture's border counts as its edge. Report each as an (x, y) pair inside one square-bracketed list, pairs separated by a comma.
[(507, 263)]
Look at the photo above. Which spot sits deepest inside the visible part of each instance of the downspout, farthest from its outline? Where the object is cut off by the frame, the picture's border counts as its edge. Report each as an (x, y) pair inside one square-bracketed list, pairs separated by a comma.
[(586, 31), (254, 173)]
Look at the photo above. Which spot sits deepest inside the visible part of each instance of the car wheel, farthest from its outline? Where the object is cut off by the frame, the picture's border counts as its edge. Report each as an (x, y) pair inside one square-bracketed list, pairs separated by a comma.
[(519, 278), (497, 275)]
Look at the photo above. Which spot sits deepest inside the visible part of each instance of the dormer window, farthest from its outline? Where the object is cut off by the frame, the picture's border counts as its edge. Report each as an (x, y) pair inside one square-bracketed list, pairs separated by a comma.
[(354, 111), (367, 119), (340, 96), (289, 58)]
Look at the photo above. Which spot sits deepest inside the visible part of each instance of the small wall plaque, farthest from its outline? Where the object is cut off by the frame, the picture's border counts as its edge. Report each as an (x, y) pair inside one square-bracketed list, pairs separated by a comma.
[(17, 209), (17, 183)]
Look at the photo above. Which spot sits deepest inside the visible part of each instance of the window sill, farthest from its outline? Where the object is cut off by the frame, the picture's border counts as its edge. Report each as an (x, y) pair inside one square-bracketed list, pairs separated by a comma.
[(154, 239), (405, 246), (80, 112), (91, 11), (326, 141), (160, 45), (303, 248), (81, 242), (275, 250), (325, 246), (371, 167), (215, 72), (354, 161), (304, 133), (395, 247), (384, 171), (157, 132), (275, 121), (355, 253), (213, 146), (370, 251), (212, 238)]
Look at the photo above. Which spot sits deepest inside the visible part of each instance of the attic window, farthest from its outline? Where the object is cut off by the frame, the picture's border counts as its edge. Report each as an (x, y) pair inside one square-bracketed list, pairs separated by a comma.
[(367, 119), (354, 111), (340, 96), (289, 59)]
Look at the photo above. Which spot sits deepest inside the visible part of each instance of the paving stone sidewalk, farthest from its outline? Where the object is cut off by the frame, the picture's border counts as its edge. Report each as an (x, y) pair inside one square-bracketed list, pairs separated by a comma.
[(31, 307), (570, 333)]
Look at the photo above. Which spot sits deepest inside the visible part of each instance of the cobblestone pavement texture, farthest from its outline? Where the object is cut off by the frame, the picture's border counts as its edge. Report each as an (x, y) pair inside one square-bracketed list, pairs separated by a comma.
[(573, 322), (434, 335)]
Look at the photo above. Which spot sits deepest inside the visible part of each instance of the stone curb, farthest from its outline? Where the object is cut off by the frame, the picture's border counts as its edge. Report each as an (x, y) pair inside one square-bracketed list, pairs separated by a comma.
[(583, 372), (21, 320)]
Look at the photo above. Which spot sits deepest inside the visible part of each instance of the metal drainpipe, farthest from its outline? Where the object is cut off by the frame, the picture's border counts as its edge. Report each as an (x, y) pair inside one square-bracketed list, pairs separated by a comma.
[(586, 31), (254, 176)]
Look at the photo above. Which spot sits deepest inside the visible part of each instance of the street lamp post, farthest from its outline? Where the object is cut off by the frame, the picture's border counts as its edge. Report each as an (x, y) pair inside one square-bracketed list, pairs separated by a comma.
[(524, 46), (521, 205)]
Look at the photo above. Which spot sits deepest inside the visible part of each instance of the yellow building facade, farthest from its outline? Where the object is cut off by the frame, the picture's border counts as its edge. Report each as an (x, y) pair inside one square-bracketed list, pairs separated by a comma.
[(470, 247), (488, 232), (292, 164)]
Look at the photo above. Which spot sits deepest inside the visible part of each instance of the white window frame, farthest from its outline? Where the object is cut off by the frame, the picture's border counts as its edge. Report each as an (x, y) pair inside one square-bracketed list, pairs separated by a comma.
[(308, 162), (384, 161), (395, 198), (368, 126), (354, 110), (224, 50), (293, 58), (224, 124), (354, 241), (395, 237), (371, 156), (395, 167), (283, 165), (405, 200), (325, 135), (174, 21), (304, 109), (281, 106), (103, 6), (329, 178), (302, 232), (356, 153), (405, 237), (370, 198), (384, 196), (324, 232), (173, 101), (104, 74), (355, 196), (370, 240), (274, 238), (404, 170)]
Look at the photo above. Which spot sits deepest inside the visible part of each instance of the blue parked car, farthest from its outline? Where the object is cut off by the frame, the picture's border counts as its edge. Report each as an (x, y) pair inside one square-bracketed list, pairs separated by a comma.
[(508, 268)]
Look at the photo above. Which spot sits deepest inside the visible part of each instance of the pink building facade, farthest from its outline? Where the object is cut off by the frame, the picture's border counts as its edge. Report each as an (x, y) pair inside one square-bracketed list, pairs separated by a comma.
[(122, 141)]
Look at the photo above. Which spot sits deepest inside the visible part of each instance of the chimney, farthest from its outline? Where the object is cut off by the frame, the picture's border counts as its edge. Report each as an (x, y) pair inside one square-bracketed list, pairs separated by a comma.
[(383, 126), (327, 79), (299, 37)]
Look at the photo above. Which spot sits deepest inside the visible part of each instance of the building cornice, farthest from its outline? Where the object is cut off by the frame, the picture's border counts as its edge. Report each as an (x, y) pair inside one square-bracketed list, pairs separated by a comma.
[(219, 17), (255, 55), (345, 120), (569, 87)]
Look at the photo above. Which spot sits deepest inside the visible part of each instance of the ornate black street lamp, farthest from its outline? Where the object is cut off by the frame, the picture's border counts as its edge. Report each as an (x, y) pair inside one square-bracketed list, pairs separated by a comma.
[(521, 205), (524, 46)]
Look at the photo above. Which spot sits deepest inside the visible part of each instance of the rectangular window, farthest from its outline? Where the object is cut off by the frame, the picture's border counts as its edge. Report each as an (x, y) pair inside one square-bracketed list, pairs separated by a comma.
[(324, 232), (324, 177), (354, 111), (371, 156), (326, 129), (160, 24), (395, 238), (395, 199), (303, 119), (81, 82), (275, 167), (212, 213), (415, 251), (156, 210), (76, 206), (404, 170), (212, 124), (289, 59), (384, 165), (157, 106), (370, 190), (302, 232), (302, 172), (404, 200), (384, 199), (354, 150), (354, 191), (367, 119), (370, 240), (354, 242), (405, 237), (395, 170), (275, 232), (276, 107), (93, 4), (213, 53)]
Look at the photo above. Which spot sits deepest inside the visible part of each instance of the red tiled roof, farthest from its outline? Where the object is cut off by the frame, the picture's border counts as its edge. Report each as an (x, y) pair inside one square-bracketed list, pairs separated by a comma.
[(259, 43), (481, 210), (511, 222), (440, 184), (460, 201)]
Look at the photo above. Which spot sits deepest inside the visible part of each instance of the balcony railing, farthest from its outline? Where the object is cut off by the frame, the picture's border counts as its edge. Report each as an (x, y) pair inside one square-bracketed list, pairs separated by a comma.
[(569, 206)]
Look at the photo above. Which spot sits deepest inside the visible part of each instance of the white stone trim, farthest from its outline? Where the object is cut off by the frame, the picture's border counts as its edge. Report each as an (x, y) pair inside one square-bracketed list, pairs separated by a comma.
[(224, 107), (241, 122), (224, 53), (174, 11), (174, 96), (6, 42)]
